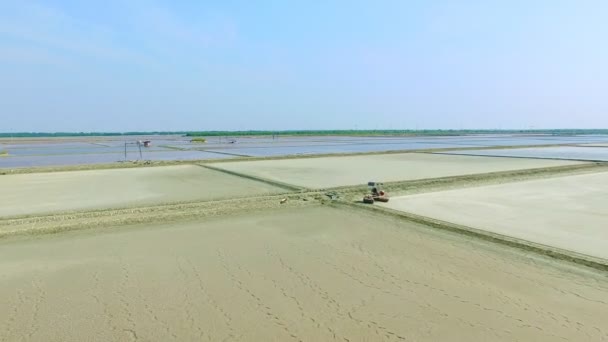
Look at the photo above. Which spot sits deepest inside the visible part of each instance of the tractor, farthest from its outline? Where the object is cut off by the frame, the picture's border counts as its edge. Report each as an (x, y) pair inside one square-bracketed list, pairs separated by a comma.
[(376, 193)]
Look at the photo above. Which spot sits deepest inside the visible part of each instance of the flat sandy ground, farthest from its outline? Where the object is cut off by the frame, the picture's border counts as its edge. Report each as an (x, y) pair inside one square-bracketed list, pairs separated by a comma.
[(316, 274), (358, 170), (566, 212), (97, 189)]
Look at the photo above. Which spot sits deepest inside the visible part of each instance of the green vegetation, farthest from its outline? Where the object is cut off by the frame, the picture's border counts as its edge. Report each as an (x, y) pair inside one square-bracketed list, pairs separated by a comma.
[(391, 132), (395, 132), (80, 134), (199, 140), (3, 153)]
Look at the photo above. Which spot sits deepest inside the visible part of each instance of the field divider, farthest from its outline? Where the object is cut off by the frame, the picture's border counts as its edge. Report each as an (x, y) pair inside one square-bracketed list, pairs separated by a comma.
[(61, 222), (223, 153), (521, 244), (175, 148), (424, 185), (278, 184)]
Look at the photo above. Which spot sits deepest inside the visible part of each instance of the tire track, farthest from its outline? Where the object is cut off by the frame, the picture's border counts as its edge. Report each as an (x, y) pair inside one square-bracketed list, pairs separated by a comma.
[(396, 281), (126, 309), (12, 319), (152, 314), (330, 302), (187, 303), (287, 297), (506, 300), (38, 299), (35, 301), (96, 288), (261, 306), (227, 319)]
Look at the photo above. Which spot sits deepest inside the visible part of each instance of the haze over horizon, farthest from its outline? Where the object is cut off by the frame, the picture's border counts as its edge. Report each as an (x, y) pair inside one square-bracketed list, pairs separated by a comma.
[(239, 65)]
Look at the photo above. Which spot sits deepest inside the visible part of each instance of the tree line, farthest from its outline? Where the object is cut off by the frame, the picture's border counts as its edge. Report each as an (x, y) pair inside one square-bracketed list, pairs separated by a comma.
[(395, 132)]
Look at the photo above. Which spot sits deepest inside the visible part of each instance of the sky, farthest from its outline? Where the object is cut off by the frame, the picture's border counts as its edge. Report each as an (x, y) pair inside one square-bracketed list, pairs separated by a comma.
[(146, 65)]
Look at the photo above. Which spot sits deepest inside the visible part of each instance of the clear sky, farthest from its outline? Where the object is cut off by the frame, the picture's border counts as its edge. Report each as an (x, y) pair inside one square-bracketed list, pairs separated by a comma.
[(252, 64)]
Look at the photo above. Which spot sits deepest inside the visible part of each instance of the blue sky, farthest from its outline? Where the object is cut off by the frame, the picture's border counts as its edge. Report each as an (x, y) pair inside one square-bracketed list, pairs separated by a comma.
[(234, 65)]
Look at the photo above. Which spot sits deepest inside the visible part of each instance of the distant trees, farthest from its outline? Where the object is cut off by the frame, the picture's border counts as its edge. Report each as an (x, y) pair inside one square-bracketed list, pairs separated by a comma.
[(394, 132)]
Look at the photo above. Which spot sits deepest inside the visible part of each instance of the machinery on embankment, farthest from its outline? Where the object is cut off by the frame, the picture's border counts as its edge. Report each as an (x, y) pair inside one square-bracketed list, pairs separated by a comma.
[(376, 193)]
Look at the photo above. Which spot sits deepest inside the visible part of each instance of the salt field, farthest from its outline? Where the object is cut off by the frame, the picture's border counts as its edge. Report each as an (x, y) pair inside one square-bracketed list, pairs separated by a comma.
[(282, 249), (94, 150)]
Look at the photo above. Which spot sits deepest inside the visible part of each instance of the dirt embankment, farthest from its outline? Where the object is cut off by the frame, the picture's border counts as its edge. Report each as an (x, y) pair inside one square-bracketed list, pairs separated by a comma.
[(54, 223)]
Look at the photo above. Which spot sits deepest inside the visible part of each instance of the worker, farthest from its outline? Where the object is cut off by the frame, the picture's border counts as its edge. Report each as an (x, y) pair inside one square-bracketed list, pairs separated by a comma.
[(374, 191)]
